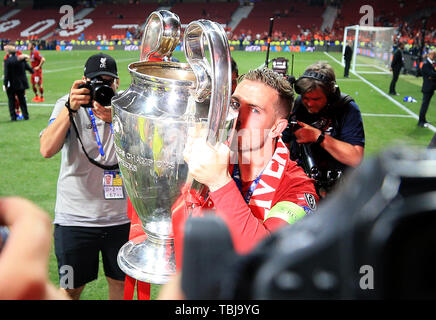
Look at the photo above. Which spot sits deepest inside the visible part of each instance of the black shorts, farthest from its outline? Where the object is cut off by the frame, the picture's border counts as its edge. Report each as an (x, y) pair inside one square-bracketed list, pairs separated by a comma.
[(77, 251)]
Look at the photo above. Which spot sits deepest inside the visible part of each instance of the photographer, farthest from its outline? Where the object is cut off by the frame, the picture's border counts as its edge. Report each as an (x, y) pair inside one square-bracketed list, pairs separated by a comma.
[(90, 212), (428, 85), (327, 122)]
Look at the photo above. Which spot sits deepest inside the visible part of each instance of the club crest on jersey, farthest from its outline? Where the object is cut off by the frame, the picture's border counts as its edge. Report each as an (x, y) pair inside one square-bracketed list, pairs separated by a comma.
[(310, 200), (102, 63)]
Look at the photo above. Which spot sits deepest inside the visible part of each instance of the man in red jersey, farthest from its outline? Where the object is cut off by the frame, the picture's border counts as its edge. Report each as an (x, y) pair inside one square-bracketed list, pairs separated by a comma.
[(263, 190), (36, 61)]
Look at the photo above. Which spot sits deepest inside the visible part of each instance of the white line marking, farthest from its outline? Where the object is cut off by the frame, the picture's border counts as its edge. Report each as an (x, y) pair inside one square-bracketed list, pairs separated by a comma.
[(375, 72), (77, 67), (414, 115), (32, 104), (387, 115)]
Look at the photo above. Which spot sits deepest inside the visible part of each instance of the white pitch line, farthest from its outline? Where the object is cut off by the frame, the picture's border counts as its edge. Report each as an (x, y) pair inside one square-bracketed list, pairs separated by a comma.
[(32, 104), (62, 69), (374, 72), (387, 115), (414, 115), (78, 66)]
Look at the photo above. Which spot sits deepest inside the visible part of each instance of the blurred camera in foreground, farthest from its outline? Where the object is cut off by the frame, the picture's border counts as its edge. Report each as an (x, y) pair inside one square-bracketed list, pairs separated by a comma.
[(373, 238)]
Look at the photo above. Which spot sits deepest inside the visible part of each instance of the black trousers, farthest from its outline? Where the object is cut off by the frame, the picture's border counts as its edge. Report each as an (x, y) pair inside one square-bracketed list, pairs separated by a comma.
[(347, 67), (23, 103), (426, 97), (395, 75)]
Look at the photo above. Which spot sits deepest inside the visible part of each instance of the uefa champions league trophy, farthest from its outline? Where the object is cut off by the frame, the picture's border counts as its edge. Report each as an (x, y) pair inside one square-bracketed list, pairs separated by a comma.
[(151, 120)]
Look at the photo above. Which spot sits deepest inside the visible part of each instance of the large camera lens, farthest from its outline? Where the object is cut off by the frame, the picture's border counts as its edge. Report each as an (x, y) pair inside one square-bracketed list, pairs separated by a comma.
[(99, 91), (103, 95)]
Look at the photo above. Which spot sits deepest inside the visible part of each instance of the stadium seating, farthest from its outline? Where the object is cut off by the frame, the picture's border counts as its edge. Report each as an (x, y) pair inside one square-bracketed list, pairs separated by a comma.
[(29, 17), (291, 17), (106, 16), (220, 12)]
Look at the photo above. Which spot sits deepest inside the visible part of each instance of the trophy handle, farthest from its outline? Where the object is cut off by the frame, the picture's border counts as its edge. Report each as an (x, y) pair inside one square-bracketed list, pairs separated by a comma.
[(161, 35), (214, 76)]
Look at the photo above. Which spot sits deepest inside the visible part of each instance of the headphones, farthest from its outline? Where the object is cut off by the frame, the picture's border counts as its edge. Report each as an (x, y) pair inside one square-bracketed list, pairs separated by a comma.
[(333, 92)]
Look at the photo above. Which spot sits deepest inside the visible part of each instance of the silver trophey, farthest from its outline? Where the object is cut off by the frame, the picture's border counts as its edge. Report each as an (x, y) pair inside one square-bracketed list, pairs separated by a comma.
[(151, 120)]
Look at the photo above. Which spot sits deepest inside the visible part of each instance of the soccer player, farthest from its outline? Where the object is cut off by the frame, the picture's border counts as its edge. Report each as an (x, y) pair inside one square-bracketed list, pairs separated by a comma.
[(264, 190), (36, 79)]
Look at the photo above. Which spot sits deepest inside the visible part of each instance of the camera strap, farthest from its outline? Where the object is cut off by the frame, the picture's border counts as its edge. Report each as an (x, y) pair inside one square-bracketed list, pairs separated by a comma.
[(97, 136), (102, 166)]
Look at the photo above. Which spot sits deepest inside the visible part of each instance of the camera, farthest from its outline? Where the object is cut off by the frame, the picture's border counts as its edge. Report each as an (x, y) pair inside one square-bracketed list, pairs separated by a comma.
[(364, 242), (280, 65), (100, 90)]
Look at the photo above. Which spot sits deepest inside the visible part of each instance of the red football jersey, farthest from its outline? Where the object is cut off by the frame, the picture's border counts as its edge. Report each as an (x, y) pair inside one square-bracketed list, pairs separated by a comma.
[(35, 58)]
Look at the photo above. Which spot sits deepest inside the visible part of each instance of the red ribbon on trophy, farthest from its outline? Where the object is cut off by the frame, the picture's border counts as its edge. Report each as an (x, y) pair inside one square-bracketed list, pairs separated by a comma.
[(136, 234)]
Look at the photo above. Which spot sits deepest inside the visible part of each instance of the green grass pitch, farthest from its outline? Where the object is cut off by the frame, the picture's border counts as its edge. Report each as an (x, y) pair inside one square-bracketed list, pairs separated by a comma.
[(26, 173)]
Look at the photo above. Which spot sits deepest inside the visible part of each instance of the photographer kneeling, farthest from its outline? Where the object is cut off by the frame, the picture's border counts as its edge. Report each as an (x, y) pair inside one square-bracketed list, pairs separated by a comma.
[(326, 127), (91, 210)]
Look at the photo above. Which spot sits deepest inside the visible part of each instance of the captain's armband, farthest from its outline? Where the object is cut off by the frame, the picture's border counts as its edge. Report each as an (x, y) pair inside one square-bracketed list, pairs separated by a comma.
[(286, 210)]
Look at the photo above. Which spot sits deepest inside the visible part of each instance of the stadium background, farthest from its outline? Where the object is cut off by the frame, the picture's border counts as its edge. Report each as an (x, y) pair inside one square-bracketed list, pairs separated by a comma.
[(309, 30)]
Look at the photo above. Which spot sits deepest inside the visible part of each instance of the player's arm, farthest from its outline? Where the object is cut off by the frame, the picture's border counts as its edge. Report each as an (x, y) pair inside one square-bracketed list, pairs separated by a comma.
[(40, 63), (27, 67), (6, 74), (53, 137), (23, 56), (344, 152)]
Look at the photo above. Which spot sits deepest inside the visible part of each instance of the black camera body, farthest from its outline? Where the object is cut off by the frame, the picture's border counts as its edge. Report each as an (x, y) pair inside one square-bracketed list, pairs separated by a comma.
[(325, 179), (280, 65), (99, 90)]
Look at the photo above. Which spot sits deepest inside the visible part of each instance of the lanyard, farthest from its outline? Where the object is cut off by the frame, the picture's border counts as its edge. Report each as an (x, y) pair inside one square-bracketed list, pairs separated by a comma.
[(94, 128), (236, 175)]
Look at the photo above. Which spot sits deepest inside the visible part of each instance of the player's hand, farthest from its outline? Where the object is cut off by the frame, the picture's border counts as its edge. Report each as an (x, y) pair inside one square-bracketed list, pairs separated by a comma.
[(306, 133), (104, 113), (207, 164), (78, 96), (36, 68)]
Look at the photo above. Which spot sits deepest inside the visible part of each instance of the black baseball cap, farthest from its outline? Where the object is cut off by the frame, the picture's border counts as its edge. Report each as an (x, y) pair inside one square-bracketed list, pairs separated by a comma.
[(100, 64)]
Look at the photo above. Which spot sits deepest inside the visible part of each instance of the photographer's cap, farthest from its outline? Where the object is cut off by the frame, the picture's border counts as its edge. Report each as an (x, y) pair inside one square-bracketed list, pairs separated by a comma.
[(100, 64)]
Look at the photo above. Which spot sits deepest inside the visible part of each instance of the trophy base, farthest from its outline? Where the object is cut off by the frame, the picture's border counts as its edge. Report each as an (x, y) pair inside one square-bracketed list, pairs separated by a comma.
[(150, 261)]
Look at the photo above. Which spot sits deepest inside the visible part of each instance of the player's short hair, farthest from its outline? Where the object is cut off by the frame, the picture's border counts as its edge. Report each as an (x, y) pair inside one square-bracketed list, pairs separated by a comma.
[(277, 82)]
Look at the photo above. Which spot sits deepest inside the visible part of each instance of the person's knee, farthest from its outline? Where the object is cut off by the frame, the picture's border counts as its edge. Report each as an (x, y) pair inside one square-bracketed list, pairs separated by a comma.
[(116, 289), (74, 293)]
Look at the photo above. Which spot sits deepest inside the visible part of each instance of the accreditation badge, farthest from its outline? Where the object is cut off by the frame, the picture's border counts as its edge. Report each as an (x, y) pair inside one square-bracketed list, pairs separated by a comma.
[(113, 185)]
